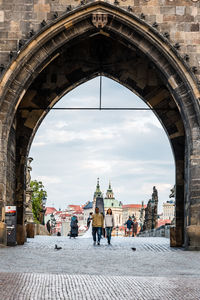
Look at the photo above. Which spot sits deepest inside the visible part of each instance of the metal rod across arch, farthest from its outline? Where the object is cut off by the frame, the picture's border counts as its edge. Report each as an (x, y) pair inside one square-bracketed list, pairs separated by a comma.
[(94, 108)]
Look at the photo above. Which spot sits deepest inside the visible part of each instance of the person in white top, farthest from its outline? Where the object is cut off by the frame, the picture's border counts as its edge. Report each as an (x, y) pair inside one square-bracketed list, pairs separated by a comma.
[(109, 224)]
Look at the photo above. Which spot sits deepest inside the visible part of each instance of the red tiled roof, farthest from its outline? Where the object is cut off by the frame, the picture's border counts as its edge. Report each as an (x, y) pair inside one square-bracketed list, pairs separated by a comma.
[(163, 222), (75, 207), (49, 210), (133, 206)]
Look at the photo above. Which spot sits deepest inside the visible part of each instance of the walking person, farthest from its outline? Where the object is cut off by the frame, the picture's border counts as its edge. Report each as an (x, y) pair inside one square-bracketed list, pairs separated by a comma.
[(109, 224), (129, 224), (48, 226), (74, 227), (103, 228), (89, 219), (135, 228), (97, 225)]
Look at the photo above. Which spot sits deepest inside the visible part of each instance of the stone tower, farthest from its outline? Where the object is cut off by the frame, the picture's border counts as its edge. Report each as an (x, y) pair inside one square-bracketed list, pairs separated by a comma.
[(98, 198)]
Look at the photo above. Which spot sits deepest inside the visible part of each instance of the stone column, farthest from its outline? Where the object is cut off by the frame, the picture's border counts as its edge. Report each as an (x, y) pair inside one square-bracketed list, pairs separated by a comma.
[(3, 166), (193, 216)]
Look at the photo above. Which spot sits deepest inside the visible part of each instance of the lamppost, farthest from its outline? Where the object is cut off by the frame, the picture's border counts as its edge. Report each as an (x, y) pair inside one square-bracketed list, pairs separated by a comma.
[(44, 200), (53, 223), (117, 228)]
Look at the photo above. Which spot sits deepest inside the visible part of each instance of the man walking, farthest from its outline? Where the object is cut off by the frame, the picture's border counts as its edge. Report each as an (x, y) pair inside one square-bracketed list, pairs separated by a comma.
[(89, 220), (129, 224), (48, 225), (97, 225), (135, 227)]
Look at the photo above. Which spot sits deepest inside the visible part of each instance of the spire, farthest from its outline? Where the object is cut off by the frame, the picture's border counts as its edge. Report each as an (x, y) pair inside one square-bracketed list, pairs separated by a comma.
[(109, 186), (98, 192), (98, 186), (98, 181), (109, 193)]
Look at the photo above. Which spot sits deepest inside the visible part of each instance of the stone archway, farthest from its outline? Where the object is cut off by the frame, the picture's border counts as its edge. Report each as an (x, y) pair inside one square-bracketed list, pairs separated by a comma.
[(100, 38)]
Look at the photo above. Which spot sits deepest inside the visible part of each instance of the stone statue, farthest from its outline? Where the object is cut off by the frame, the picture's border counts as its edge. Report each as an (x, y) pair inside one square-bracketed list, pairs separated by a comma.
[(28, 203), (155, 193), (172, 195), (28, 173)]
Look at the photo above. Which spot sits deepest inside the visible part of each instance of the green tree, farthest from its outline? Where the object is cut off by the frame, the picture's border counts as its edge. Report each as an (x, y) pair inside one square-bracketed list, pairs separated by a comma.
[(38, 194)]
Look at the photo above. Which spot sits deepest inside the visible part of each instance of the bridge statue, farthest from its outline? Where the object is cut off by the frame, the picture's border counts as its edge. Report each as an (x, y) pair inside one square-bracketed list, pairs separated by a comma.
[(28, 204)]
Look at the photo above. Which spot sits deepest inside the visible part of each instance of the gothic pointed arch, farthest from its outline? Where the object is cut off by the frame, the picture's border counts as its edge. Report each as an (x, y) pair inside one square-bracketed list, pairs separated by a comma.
[(100, 38)]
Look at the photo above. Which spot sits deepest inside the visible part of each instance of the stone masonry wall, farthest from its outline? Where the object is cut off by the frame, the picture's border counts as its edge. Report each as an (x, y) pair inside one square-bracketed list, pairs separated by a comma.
[(176, 19)]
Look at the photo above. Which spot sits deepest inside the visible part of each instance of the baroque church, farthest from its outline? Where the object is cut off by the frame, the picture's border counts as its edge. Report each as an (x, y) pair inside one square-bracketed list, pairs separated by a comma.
[(108, 202)]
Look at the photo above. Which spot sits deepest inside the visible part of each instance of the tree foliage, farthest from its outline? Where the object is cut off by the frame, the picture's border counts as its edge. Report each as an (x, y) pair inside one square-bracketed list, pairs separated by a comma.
[(38, 194)]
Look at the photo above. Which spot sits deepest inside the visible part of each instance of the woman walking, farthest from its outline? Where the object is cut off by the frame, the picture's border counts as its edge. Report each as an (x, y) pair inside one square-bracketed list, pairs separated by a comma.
[(109, 224), (74, 227)]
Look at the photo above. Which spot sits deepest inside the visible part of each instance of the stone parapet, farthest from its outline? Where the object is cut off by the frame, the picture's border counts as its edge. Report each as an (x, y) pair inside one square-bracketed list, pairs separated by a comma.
[(30, 230), (163, 231), (41, 230)]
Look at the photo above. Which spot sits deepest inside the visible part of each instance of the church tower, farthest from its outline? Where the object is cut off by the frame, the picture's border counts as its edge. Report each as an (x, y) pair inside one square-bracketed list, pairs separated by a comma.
[(109, 193), (98, 198), (114, 204)]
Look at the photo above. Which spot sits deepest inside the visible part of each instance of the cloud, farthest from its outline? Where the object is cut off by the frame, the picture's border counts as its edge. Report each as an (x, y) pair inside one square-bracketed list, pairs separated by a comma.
[(72, 148), (49, 179)]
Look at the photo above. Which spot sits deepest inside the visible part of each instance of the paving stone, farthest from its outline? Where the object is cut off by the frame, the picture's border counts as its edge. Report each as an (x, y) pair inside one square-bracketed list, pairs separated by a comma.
[(81, 271), (50, 286)]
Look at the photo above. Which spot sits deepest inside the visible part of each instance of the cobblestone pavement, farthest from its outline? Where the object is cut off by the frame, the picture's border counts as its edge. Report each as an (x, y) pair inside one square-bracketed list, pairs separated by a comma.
[(82, 271), (153, 257), (17, 286)]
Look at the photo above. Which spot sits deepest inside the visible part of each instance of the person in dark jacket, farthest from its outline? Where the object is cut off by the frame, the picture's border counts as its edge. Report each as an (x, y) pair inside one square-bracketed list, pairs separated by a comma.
[(48, 226), (89, 219), (135, 228), (129, 225), (74, 227)]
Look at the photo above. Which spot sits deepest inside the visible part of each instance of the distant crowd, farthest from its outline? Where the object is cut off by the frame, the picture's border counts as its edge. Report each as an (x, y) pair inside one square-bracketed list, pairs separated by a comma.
[(102, 226)]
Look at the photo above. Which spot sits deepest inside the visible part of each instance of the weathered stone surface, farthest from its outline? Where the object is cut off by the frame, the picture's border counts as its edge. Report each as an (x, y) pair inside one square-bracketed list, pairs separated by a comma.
[(176, 238), (30, 230), (194, 237), (21, 234), (3, 234)]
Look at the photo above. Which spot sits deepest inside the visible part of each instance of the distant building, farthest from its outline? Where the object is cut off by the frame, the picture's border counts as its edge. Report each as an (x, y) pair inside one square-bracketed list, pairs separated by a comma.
[(48, 212), (132, 210), (74, 209), (115, 205), (65, 227), (168, 210), (87, 209)]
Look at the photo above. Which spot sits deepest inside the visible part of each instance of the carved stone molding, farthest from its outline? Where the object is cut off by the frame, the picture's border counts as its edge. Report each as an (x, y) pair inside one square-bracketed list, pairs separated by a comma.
[(99, 19)]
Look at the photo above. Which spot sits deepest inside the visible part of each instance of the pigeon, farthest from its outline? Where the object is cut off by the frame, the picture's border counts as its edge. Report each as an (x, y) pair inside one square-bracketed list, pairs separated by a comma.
[(57, 248), (134, 249)]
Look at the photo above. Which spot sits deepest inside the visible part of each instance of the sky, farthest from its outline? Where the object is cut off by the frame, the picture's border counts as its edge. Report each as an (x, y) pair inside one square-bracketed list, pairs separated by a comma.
[(71, 149)]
